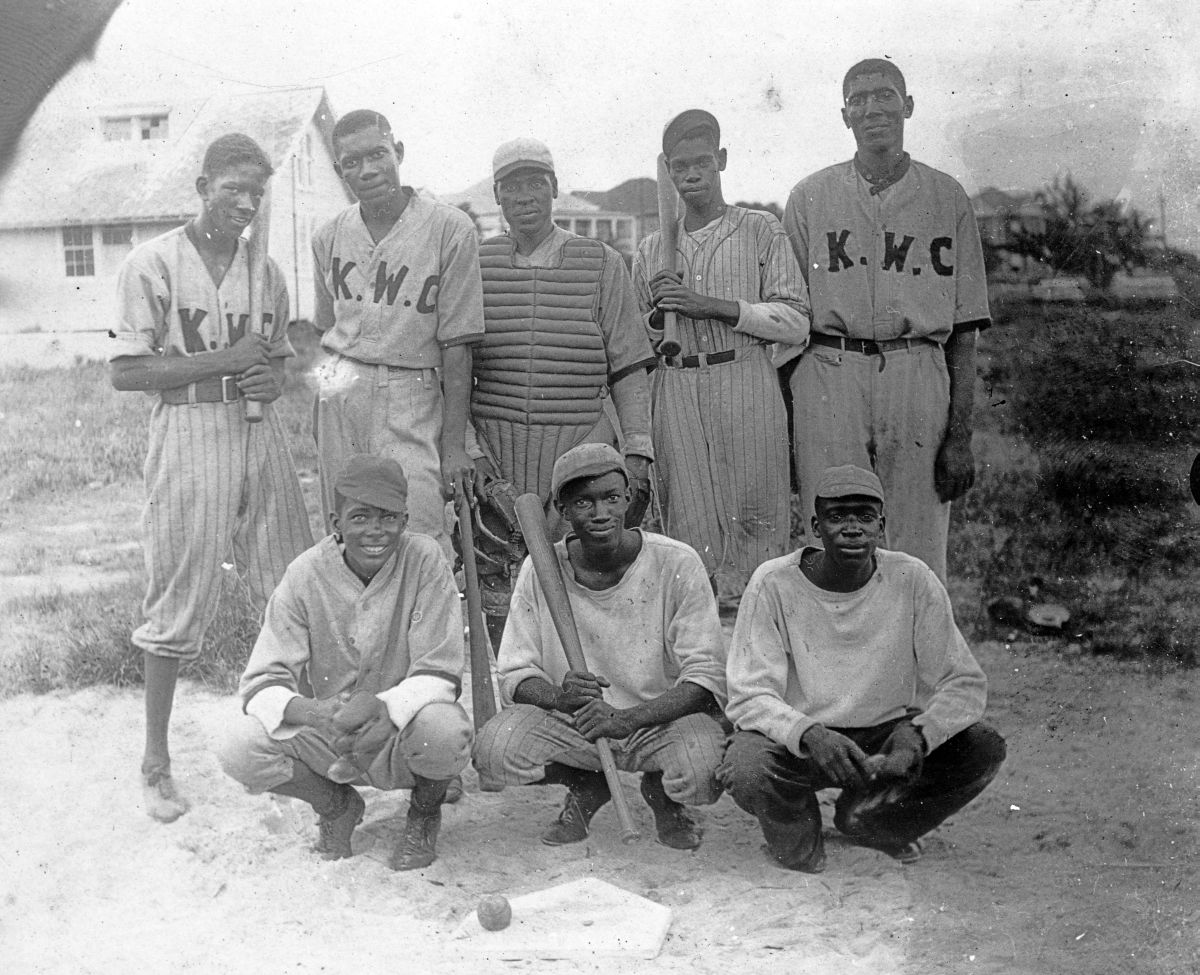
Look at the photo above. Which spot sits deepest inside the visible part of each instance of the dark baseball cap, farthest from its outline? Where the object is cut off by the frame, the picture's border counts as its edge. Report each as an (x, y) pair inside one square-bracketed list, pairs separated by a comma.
[(378, 481), (693, 118), (848, 481), (586, 460)]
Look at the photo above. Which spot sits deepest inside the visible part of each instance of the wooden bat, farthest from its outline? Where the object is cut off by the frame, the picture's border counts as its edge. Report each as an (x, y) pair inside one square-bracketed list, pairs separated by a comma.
[(260, 242), (537, 540), (483, 698), (668, 223)]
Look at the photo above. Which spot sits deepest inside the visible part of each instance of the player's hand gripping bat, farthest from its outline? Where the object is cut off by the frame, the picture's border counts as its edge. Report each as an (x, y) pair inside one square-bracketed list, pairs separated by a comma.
[(549, 576), (260, 240), (668, 223)]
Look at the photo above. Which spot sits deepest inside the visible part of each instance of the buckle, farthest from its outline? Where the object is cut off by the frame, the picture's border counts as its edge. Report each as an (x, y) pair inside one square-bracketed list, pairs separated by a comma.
[(229, 390)]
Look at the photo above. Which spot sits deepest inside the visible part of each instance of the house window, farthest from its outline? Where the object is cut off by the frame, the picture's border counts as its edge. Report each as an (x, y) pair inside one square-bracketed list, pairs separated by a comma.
[(77, 248), (152, 127), (604, 230), (117, 129), (117, 235), (583, 227), (564, 222)]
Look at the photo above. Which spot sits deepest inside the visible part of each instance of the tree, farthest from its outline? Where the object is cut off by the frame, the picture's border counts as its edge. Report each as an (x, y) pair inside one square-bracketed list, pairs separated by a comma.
[(1093, 240)]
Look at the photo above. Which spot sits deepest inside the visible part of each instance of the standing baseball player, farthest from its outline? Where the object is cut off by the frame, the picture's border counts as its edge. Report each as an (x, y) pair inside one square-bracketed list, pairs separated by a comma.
[(398, 303), (720, 426), (891, 253), (216, 485), (562, 333)]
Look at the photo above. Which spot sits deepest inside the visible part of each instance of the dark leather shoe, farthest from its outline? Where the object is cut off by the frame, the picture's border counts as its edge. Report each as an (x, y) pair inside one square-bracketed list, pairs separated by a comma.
[(417, 848), (336, 829), (675, 828)]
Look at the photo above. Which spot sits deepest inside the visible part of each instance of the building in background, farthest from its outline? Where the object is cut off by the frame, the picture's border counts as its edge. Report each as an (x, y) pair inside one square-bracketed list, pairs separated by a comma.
[(1003, 219), (87, 187), (572, 211)]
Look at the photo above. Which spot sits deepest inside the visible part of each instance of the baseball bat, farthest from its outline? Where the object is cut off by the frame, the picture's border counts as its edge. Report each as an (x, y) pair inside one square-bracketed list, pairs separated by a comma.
[(545, 564), (668, 223), (260, 241), (483, 698)]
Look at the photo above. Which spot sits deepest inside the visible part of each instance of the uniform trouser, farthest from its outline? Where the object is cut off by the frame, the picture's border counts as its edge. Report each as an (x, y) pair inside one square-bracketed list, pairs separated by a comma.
[(518, 743), (386, 412), (219, 491), (886, 413), (436, 744), (721, 461), (780, 788)]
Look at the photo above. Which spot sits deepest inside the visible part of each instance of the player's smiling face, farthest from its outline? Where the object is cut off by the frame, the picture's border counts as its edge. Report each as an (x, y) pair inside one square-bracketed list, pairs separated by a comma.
[(231, 197), (696, 165), (369, 161), (526, 199), (370, 535), (594, 507), (875, 109)]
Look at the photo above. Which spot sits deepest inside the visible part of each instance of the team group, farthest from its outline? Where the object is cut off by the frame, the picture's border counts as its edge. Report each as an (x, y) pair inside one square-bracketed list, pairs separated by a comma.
[(532, 361)]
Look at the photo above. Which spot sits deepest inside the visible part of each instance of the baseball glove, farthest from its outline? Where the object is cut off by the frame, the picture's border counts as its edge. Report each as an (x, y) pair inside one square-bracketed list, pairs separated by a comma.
[(499, 545), (640, 489)]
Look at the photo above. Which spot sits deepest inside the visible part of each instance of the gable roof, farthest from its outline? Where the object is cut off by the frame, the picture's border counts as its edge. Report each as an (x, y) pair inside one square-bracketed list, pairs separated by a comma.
[(144, 181), (638, 196)]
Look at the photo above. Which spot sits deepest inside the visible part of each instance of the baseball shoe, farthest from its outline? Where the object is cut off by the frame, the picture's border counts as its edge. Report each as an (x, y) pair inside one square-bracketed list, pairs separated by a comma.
[(586, 793), (417, 848), (161, 798), (454, 791), (337, 827), (675, 828)]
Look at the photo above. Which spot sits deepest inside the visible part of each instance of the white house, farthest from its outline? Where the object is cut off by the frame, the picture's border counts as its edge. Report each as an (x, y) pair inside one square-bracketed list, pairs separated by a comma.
[(87, 185)]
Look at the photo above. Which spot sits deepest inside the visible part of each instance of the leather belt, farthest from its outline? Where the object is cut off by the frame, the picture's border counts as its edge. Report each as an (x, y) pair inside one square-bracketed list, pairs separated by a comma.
[(218, 389), (866, 346), (696, 361)]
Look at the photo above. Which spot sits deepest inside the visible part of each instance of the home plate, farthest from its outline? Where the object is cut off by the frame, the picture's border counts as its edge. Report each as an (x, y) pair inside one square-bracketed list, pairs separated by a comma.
[(584, 918)]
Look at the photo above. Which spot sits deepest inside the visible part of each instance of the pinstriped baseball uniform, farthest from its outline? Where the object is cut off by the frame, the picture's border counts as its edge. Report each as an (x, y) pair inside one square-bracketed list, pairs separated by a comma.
[(720, 431), (387, 310), (218, 488), (655, 629), (901, 263)]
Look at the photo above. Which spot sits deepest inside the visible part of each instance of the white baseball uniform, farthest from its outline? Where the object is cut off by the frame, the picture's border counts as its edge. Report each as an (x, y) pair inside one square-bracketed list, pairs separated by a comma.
[(218, 489), (901, 267), (386, 310), (720, 426)]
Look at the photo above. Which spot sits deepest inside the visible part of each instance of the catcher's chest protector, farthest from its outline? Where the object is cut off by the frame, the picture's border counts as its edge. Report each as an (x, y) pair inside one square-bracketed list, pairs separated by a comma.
[(542, 358)]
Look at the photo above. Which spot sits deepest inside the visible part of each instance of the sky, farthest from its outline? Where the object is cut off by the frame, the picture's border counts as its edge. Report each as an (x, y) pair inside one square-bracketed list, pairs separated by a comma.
[(1008, 92)]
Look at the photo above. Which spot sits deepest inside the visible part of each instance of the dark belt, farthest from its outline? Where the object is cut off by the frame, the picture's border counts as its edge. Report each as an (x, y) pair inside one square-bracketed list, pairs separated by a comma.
[(218, 389), (696, 361), (866, 346)]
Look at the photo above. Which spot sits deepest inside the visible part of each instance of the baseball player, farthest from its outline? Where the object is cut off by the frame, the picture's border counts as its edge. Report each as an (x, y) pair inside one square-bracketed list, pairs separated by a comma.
[(356, 673), (846, 670), (562, 333), (650, 632), (216, 485), (894, 265), (398, 303), (720, 426)]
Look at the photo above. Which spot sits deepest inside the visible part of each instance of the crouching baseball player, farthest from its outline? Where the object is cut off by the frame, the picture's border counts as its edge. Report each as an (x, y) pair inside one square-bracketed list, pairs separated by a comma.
[(356, 673), (846, 670), (218, 488), (648, 624)]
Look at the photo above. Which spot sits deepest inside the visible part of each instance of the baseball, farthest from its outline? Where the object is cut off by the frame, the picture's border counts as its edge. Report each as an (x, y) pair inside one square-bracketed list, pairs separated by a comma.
[(494, 912)]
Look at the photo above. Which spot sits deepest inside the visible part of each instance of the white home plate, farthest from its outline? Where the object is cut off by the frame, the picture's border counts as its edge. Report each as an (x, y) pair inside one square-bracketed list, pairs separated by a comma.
[(584, 918)]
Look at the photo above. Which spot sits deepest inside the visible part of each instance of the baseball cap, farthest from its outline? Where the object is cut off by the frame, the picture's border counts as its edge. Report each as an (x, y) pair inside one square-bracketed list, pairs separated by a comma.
[(373, 480), (586, 460), (848, 481), (686, 121), (523, 153)]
